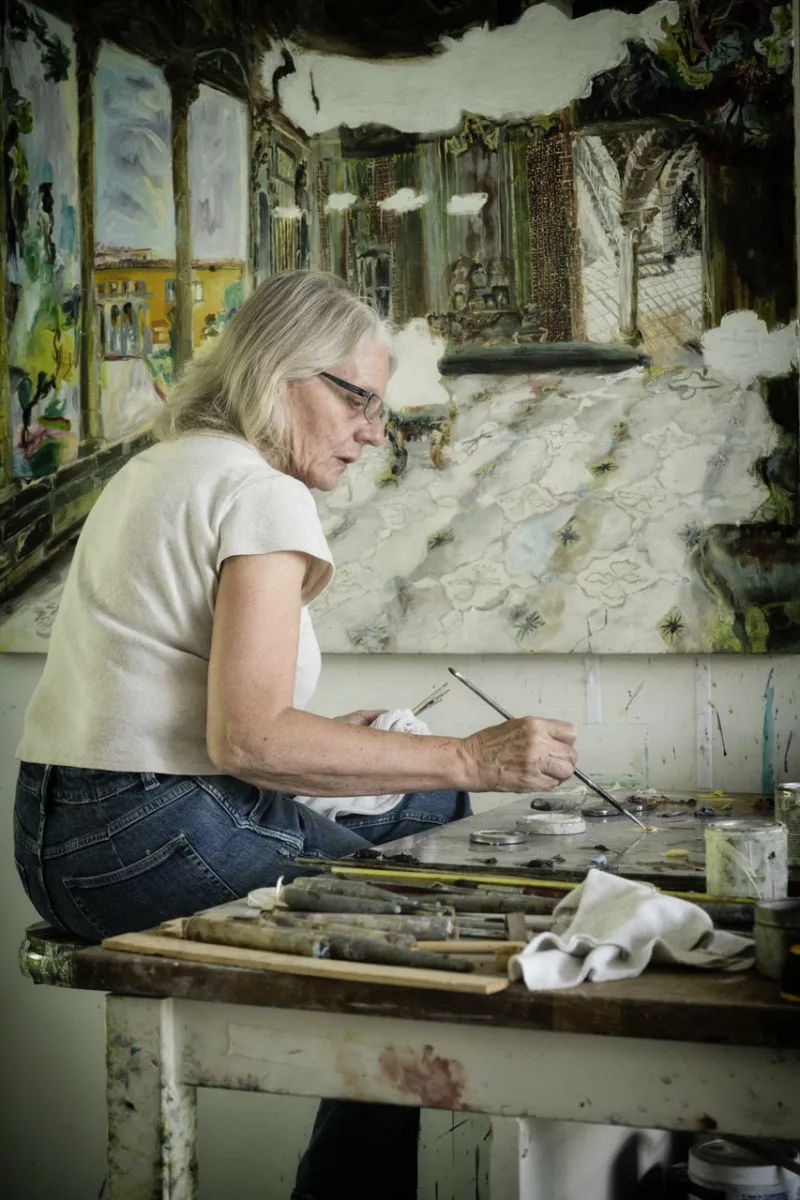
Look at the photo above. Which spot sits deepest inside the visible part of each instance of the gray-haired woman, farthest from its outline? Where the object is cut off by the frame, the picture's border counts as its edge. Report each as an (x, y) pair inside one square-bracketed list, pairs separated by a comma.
[(168, 734)]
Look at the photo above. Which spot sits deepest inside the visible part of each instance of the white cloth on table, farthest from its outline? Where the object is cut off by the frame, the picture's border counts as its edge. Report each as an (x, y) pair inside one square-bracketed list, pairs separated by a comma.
[(611, 928), (397, 720)]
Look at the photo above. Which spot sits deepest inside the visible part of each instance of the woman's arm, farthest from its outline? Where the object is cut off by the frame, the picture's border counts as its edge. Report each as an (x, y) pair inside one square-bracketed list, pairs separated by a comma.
[(254, 732)]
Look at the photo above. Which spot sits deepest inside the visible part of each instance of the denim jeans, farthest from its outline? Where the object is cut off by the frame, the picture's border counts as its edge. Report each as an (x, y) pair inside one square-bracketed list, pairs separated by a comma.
[(106, 852)]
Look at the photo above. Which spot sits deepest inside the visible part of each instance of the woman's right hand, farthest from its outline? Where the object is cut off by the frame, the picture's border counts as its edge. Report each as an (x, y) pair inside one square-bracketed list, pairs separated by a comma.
[(528, 754)]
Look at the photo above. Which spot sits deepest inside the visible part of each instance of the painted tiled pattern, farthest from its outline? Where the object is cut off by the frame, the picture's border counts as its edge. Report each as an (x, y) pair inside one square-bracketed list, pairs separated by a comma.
[(562, 518)]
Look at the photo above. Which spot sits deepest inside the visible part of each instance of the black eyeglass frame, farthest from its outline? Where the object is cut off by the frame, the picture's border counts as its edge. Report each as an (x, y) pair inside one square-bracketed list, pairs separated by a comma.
[(378, 412)]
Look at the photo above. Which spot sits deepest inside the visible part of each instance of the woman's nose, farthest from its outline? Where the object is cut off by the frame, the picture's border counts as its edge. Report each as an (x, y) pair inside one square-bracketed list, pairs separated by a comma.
[(373, 433)]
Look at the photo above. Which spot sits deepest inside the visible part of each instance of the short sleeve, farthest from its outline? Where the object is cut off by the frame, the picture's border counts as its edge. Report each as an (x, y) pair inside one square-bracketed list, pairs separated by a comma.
[(274, 513)]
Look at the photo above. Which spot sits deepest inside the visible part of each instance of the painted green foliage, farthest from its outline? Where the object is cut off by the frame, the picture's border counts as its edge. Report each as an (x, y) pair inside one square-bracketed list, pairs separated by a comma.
[(42, 294)]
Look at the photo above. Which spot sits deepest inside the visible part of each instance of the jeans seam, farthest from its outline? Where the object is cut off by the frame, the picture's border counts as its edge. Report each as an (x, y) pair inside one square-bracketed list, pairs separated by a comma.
[(294, 841), (359, 822)]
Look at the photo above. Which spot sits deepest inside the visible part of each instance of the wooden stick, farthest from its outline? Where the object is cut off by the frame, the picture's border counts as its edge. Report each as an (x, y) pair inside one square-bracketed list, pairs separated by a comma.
[(304, 900), (257, 935), (429, 926), (473, 946), (289, 921), (293, 964)]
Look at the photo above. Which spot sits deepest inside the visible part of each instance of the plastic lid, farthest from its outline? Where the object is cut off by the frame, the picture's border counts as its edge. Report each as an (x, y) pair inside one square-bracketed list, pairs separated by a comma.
[(552, 822), (724, 1154)]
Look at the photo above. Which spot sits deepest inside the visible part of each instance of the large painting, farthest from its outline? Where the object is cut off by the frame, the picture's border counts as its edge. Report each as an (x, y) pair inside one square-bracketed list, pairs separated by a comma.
[(42, 253), (582, 231)]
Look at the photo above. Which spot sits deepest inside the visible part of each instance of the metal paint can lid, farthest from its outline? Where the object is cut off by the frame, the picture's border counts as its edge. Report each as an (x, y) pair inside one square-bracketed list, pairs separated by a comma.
[(719, 1162), (783, 914), (497, 837), (551, 823), (744, 827)]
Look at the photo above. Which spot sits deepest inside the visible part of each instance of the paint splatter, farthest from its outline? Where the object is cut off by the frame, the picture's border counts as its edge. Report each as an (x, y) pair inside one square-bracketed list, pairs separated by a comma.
[(768, 738), (435, 1082)]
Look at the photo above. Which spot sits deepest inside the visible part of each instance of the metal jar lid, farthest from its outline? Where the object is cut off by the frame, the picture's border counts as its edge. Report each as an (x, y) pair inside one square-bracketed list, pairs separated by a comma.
[(744, 826), (782, 914), (497, 837), (719, 1153)]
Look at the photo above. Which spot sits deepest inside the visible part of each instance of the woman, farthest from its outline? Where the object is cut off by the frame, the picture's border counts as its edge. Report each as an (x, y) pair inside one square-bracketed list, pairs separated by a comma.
[(168, 732)]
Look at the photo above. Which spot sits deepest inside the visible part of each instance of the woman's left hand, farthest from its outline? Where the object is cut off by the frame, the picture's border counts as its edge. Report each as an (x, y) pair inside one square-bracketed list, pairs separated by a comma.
[(362, 716)]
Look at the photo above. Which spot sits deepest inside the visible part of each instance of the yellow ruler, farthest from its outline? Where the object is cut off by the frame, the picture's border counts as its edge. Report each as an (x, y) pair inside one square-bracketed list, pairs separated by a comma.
[(382, 875)]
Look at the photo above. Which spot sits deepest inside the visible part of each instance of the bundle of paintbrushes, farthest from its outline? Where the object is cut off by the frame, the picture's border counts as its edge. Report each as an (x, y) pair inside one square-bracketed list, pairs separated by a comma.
[(325, 916)]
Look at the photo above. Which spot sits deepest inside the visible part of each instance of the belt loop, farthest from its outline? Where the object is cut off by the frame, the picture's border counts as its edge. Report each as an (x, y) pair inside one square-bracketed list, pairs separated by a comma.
[(150, 781)]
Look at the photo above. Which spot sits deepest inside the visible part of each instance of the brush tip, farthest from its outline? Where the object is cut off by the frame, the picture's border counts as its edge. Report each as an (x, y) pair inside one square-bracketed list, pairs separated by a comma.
[(453, 671)]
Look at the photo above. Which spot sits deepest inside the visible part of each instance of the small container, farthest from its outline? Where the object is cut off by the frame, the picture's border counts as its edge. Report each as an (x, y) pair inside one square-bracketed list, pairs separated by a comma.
[(777, 929), (787, 810), (747, 858), (497, 837), (718, 1168), (552, 822)]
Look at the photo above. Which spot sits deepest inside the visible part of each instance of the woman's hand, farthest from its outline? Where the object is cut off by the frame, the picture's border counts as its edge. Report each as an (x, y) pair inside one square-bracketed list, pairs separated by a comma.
[(362, 716), (528, 754)]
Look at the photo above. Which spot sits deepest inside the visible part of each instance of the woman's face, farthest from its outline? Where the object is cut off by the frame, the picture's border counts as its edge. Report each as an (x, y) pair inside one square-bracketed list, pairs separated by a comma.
[(326, 427)]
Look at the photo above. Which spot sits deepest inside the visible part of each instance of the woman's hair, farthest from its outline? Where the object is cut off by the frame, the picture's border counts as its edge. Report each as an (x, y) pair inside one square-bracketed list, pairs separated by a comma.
[(294, 325)]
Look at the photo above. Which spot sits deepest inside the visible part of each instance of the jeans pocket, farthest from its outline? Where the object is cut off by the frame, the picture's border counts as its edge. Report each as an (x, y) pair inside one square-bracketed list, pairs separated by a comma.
[(173, 881)]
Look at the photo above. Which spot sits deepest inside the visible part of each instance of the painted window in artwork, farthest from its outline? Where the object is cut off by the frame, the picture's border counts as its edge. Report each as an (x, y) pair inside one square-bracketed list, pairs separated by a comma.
[(218, 159), (135, 237)]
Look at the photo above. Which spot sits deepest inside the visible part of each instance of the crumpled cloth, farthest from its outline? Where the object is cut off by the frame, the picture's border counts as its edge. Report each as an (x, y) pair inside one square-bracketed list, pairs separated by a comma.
[(611, 928), (398, 720)]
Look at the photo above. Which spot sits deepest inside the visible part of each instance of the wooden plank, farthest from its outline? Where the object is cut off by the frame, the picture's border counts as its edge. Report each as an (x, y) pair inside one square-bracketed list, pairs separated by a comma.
[(473, 946), (266, 960)]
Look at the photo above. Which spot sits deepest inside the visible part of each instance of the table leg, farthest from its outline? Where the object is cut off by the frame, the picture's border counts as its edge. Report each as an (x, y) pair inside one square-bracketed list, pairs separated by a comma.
[(152, 1115)]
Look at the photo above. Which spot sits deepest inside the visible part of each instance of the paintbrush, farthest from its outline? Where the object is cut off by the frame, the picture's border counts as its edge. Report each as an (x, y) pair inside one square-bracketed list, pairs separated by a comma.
[(436, 695), (601, 791)]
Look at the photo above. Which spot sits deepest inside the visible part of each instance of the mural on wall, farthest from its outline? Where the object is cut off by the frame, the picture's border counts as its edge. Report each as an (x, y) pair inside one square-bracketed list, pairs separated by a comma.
[(42, 253), (135, 238), (582, 231)]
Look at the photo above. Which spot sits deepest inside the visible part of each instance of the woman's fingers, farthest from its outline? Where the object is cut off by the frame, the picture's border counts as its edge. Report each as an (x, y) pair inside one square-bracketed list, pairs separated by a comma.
[(560, 768), (526, 754)]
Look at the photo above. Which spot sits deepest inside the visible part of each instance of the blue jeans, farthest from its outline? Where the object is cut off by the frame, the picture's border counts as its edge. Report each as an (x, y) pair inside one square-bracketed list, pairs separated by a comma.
[(105, 852)]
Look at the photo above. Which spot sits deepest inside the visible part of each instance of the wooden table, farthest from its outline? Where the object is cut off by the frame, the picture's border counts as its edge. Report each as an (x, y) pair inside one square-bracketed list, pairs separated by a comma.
[(675, 1050)]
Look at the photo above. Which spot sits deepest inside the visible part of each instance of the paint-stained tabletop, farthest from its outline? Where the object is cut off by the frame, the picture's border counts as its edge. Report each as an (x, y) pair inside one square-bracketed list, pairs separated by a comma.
[(670, 853)]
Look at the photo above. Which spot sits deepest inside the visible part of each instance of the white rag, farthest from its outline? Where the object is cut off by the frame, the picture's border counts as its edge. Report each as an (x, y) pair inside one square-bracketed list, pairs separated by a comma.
[(611, 928), (398, 720)]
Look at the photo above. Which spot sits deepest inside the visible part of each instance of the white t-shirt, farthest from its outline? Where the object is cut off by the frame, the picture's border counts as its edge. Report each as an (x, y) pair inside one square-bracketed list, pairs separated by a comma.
[(124, 685)]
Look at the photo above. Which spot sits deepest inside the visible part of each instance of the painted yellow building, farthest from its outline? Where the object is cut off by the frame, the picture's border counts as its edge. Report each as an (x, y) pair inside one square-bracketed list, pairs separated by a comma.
[(135, 294)]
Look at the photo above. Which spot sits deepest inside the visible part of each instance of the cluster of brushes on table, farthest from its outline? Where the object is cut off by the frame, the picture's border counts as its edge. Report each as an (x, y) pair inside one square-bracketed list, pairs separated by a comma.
[(325, 916)]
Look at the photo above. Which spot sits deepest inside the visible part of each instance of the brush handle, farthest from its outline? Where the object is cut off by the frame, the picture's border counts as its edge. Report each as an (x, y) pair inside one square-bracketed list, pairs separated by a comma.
[(595, 787)]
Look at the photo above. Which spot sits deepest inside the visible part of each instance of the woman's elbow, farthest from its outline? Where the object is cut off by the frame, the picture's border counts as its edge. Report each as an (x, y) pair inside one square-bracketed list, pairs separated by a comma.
[(240, 750)]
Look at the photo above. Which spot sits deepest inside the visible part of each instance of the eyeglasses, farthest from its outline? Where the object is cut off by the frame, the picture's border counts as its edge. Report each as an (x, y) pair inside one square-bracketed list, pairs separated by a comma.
[(373, 407)]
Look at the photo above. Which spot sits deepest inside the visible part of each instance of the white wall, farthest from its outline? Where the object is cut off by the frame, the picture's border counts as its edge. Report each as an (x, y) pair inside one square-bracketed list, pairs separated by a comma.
[(646, 718)]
